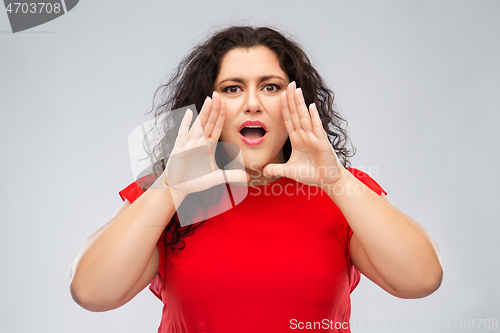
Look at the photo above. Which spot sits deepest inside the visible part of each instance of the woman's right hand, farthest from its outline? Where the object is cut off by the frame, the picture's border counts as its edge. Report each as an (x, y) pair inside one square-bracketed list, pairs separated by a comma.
[(191, 166)]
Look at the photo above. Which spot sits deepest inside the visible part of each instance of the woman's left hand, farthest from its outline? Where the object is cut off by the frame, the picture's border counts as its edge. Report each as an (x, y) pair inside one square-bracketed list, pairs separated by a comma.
[(313, 160)]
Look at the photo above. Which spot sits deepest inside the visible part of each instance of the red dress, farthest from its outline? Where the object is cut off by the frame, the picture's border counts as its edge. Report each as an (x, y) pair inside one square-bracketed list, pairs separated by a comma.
[(276, 262)]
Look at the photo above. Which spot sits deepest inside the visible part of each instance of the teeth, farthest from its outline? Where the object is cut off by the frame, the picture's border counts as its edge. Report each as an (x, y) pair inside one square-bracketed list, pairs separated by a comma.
[(253, 126)]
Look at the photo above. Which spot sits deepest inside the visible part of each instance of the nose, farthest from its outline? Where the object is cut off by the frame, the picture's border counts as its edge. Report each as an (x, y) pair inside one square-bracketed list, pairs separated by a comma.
[(253, 104)]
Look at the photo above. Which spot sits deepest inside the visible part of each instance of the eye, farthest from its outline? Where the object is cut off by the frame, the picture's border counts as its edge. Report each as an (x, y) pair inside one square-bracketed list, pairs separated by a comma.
[(272, 87), (231, 89)]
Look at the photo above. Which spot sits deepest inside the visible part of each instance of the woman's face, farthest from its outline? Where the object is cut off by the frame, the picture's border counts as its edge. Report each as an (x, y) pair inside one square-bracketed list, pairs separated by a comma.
[(251, 82)]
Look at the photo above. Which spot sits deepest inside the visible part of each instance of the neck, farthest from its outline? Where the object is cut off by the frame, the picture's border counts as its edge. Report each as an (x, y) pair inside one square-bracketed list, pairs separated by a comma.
[(257, 175), (257, 178)]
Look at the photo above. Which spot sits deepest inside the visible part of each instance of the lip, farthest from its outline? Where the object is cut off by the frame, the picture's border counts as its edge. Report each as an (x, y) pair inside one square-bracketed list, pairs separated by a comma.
[(252, 123), (252, 142)]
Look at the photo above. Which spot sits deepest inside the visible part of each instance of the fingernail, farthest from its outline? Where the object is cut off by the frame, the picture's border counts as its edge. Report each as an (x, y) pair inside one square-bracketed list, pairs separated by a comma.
[(299, 90), (294, 85)]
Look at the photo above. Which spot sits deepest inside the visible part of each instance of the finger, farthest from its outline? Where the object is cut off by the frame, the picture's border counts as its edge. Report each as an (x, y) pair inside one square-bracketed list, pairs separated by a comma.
[(235, 176), (196, 131), (195, 135), (290, 94), (219, 123), (216, 178), (209, 126), (183, 129), (205, 110), (286, 113), (277, 170), (305, 118), (214, 116), (316, 121)]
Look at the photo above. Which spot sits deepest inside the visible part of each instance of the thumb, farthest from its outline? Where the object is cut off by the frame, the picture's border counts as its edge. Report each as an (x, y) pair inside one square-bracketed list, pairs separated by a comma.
[(216, 178), (233, 176), (227, 176), (275, 169)]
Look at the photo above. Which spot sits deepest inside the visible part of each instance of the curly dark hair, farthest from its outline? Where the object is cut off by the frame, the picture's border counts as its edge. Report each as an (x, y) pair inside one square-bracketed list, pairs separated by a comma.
[(194, 79)]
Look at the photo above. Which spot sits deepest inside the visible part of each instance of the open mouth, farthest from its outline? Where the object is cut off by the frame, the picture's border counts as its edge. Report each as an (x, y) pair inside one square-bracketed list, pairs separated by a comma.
[(253, 132)]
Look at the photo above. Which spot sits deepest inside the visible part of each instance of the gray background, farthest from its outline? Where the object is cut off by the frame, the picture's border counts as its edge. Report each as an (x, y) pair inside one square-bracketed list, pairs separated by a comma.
[(417, 81)]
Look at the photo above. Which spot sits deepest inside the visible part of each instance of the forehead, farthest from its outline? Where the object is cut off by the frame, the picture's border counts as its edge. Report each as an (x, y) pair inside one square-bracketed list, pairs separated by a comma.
[(253, 62)]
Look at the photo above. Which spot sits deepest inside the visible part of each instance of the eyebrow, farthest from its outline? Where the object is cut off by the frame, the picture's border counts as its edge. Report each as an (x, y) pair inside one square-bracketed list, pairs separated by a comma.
[(261, 79)]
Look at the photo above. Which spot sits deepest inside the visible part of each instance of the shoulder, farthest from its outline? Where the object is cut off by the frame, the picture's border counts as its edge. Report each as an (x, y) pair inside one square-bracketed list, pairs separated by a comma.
[(135, 189), (131, 192), (366, 179)]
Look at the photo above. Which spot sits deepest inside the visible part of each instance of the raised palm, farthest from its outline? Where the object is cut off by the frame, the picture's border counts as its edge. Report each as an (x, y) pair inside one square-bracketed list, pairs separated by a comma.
[(313, 160), (191, 166)]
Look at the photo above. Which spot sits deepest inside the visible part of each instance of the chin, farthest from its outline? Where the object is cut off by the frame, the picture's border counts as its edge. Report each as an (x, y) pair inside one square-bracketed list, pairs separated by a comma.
[(253, 162), (257, 157)]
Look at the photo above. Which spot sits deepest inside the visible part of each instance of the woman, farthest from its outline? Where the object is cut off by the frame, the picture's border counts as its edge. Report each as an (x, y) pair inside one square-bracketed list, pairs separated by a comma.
[(289, 254)]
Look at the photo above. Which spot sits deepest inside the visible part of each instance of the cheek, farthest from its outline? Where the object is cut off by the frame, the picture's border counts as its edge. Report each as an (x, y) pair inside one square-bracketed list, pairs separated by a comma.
[(283, 134), (273, 107), (280, 124), (277, 119), (225, 135)]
